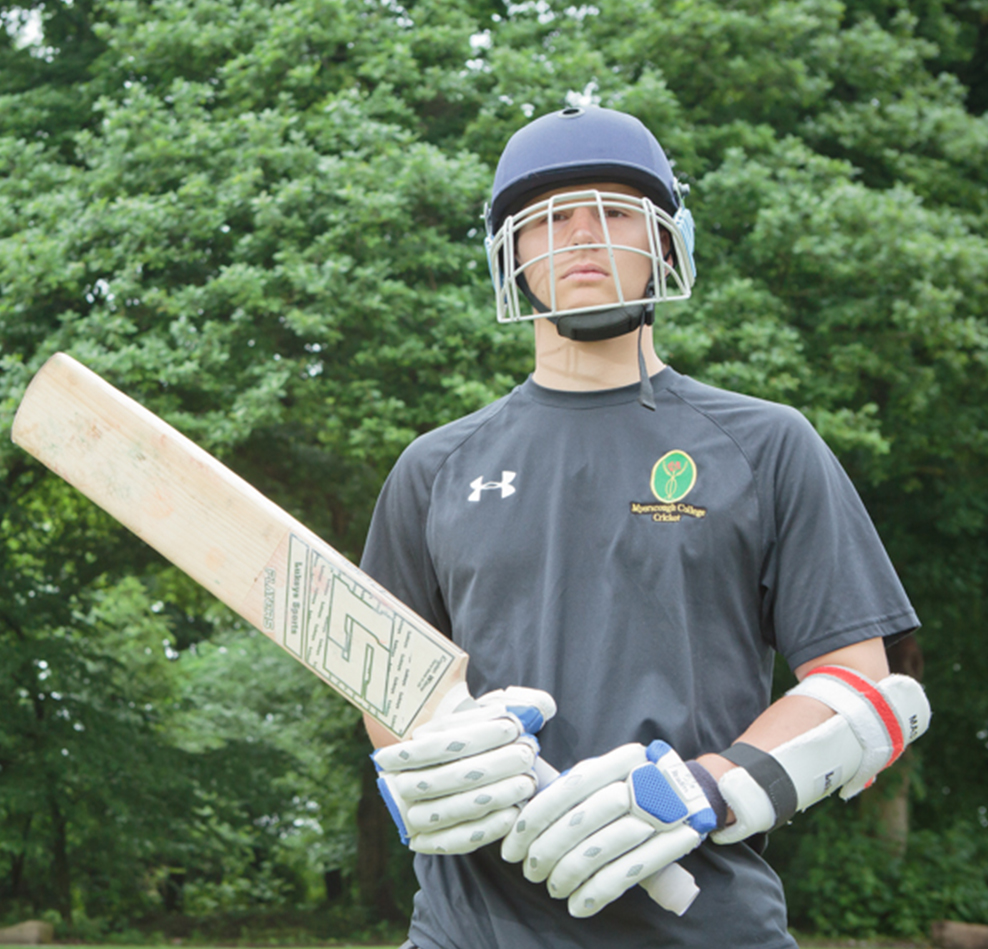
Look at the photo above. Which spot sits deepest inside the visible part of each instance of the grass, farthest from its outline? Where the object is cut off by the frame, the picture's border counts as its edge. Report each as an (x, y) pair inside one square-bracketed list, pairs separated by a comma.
[(812, 942), (805, 942)]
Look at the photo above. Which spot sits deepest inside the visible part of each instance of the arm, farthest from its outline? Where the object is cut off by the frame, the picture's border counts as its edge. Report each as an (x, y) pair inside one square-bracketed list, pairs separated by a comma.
[(845, 721), (455, 784), (794, 715)]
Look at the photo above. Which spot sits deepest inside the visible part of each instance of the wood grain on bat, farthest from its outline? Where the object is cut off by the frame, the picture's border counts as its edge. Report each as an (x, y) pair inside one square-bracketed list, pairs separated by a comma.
[(243, 548)]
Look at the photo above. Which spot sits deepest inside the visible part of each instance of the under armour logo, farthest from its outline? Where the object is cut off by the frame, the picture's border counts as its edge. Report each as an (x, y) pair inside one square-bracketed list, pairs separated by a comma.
[(479, 485)]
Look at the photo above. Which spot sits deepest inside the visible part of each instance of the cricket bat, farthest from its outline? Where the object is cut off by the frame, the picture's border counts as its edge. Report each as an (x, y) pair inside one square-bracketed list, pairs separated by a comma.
[(254, 557)]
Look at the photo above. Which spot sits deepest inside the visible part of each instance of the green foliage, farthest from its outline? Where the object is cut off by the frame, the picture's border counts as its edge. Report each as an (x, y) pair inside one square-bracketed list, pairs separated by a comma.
[(45, 92), (284, 746), (845, 880), (263, 220)]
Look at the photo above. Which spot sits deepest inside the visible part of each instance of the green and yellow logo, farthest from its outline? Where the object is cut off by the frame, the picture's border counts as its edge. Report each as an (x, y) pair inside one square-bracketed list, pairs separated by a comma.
[(673, 476)]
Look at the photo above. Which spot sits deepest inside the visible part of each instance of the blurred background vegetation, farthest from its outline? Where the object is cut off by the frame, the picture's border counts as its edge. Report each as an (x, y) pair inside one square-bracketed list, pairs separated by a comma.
[(263, 220)]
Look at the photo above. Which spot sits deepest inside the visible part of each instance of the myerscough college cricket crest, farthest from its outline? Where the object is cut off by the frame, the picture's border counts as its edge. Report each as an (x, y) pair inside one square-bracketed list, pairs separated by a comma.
[(673, 477)]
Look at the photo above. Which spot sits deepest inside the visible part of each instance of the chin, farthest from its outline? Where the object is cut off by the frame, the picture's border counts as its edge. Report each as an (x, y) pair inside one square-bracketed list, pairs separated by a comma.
[(574, 303)]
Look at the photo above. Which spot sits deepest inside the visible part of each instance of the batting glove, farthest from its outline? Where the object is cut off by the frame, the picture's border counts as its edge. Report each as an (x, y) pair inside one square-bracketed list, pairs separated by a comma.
[(609, 823), (458, 783)]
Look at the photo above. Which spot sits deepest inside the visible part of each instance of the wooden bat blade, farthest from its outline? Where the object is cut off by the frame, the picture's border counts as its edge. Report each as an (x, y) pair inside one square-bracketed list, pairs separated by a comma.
[(243, 548)]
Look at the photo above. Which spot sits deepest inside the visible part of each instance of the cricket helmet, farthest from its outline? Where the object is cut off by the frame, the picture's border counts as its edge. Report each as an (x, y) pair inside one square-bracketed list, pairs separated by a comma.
[(583, 146)]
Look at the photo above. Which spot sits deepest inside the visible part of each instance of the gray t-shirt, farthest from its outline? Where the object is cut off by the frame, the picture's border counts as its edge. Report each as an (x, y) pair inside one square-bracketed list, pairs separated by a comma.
[(642, 567)]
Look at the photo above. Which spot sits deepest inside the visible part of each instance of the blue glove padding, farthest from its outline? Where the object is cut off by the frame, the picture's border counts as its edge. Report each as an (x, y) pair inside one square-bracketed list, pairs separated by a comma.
[(456, 785), (609, 823)]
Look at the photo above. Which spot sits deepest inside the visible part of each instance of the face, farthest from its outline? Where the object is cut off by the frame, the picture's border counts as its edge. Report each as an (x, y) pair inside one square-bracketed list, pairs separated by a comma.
[(585, 275)]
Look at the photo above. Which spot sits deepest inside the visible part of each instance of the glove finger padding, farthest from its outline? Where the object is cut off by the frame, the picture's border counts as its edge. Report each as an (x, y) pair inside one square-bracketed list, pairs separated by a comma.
[(475, 815), (467, 837), (597, 850), (474, 772), (480, 731), (590, 834), (570, 789), (532, 707), (430, 816), (597, 811), (457, 783), (653, 855)]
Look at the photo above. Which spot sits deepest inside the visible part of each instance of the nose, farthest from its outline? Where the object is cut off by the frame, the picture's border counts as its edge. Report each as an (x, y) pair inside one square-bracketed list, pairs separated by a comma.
[(584, 226)]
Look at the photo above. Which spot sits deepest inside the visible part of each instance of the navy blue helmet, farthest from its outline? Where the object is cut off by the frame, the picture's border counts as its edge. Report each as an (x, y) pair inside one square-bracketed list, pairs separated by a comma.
[(579, 146), (579, 150)]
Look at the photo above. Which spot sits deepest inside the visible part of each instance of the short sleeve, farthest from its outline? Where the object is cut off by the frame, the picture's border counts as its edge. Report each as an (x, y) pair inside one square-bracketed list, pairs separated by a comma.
[(396, 552), (827, 581)]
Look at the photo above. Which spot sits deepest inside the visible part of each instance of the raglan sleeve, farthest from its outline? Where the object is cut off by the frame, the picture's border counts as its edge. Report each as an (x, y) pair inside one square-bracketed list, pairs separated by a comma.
[(827, 579), (396, 552)]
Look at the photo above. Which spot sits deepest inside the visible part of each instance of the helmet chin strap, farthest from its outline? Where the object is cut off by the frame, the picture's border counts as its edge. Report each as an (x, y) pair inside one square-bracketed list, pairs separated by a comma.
[(605, 324), (646, 394)]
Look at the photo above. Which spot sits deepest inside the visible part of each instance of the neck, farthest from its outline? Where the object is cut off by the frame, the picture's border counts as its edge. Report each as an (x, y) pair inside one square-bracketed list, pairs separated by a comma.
[(562, 363)]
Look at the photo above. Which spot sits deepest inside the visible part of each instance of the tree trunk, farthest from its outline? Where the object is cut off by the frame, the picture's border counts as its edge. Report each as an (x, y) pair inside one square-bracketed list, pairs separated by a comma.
[(18, 861), (906, 658), (332, 885), (172, 890), (60, 861)]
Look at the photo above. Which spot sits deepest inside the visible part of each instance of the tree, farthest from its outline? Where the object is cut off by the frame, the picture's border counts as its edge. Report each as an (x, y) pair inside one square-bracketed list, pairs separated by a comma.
[(263, 291), (85, 783), (264, 221)]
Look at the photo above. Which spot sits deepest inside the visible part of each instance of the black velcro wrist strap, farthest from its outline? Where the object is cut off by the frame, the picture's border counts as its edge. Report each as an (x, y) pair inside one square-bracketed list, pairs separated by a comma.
[(769, 775)]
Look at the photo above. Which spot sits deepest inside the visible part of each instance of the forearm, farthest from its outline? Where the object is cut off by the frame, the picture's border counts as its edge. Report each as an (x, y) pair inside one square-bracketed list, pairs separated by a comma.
[(794, 715), (782, 720)]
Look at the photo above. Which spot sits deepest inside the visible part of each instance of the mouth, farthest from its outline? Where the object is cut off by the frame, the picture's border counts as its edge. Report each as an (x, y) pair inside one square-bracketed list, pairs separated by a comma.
[(584, 271)]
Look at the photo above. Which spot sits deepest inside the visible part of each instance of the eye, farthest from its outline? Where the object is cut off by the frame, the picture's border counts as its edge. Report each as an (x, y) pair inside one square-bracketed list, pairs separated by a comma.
[(533, 224)]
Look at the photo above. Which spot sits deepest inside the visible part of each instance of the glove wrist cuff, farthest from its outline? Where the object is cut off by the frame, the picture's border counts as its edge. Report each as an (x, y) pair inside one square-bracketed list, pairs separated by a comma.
[(708, 785)]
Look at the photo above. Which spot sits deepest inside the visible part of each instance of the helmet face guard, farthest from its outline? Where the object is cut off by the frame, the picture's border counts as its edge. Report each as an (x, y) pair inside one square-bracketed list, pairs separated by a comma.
[(514, 297), (577, 150)]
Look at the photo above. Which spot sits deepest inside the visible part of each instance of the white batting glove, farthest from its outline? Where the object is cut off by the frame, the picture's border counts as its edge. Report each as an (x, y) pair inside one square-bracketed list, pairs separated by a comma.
[(609, 823), (456, 785)]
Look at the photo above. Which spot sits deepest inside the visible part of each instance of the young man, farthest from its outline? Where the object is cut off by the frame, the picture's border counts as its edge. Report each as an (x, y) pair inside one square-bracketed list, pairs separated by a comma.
[(635, 546)]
